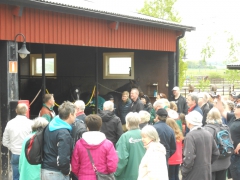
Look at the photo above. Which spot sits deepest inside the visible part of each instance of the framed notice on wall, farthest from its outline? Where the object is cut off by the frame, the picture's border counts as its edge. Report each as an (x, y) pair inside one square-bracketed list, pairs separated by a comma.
[(13, 67)]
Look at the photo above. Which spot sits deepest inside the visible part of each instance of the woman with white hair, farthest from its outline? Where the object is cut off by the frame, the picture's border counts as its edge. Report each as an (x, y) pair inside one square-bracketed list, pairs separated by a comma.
[(153, 164), (145, 117), (130, 149), (214, 122), (26, 170)]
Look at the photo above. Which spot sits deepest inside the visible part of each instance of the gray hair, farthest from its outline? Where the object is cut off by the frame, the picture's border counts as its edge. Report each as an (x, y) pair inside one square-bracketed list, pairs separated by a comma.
[(21, 109), (214, 116), (204, 96), (135, 90), (108, 105), (39, 123), (80, 104), (144, 116), (158, 103), (65, 109), (162, 103), (150, 132), (194, 97), (133, 120)]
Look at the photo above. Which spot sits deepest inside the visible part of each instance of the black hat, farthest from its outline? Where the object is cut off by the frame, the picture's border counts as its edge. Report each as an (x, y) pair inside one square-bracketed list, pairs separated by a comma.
[(110, 97), (162, 112)]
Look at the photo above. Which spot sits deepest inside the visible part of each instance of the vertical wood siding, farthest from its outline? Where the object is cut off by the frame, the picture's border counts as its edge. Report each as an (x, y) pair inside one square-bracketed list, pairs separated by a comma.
[(47, 27)]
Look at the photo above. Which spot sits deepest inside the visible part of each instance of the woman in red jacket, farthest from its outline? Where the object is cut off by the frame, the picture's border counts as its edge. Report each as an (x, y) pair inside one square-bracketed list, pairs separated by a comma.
[(176, 159)]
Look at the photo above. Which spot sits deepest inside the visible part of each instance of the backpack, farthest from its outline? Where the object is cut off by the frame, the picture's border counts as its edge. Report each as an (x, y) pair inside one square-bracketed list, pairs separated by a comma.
[(34, 148), (78, 128), (223, 140)]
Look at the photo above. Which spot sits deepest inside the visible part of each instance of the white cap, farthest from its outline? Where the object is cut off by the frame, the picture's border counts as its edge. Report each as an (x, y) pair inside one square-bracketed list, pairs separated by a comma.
[(194, 118), (175, 88)]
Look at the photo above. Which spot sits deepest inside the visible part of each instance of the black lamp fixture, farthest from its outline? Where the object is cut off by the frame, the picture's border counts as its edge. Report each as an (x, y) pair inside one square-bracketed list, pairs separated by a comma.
[(184, 58), (23, 52)]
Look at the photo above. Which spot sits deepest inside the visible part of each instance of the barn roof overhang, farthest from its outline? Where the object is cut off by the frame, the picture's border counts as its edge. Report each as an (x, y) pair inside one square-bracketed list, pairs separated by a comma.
[(233, 66), (132, 18)]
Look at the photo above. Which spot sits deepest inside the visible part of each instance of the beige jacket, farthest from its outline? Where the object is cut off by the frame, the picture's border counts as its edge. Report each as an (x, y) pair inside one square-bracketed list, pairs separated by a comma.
[(153, 165)]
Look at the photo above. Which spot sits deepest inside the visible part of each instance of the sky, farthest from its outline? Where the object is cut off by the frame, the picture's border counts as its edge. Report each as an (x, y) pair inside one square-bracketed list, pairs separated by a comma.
[(217, 19)]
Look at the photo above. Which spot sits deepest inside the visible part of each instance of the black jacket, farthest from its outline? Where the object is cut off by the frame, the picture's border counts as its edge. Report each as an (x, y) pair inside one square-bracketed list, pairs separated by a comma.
[(123, 110), (57, 150), (181, 105), (205, 109), (136, 106), (111, 125)]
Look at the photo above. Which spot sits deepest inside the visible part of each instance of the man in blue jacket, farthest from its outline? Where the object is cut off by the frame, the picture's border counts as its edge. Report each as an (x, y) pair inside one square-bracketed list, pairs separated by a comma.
[(165, 132), (58, 144)]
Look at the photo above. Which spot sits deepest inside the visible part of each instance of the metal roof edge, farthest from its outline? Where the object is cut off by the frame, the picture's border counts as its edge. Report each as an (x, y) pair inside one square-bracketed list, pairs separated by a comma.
[(43, 5)]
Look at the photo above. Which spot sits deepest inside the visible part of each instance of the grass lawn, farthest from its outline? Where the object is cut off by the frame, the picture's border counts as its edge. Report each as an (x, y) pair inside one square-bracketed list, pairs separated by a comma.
[(205, 72)]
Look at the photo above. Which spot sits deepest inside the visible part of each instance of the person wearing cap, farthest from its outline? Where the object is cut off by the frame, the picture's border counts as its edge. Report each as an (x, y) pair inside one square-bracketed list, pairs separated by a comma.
[(203, 104), (180, 101), (200, 150), (165, 133), (233, 121), (232, 96), (137, 104)]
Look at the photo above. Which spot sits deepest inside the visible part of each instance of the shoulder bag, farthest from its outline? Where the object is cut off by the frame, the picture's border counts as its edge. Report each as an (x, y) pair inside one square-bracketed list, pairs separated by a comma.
[(100, 176)]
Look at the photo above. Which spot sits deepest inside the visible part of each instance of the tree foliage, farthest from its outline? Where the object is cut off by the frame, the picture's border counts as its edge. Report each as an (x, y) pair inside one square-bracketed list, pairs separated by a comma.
[(207, 51), (164, 9)]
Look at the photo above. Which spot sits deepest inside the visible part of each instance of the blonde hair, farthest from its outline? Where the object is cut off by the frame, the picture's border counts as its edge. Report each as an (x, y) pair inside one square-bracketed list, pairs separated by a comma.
[(178, 134), (214, 116), (150, 132), (173, 106), (125, 93)]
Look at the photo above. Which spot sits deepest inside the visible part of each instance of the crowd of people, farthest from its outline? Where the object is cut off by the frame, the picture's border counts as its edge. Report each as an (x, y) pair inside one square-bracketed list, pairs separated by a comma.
[(131, 140)]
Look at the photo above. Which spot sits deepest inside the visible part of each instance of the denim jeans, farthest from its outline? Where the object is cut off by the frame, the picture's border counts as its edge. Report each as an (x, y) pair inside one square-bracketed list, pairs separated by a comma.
[(14, 163), (173, 172), (53, 175), (235, 167)]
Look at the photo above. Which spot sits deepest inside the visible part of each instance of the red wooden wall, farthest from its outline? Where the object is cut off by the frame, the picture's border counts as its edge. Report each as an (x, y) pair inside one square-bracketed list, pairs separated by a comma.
[(40, 26)]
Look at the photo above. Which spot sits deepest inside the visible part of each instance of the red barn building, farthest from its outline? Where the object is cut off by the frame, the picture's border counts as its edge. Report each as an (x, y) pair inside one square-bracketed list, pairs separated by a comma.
[(77, 45)]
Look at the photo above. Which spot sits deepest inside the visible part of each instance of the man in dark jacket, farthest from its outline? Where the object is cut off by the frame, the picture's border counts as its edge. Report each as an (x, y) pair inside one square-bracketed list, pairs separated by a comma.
[(123, 108), (180, 101), (111, 124), (200, 150), (137, 104), (166, 134), (203, 104), (58, 144)]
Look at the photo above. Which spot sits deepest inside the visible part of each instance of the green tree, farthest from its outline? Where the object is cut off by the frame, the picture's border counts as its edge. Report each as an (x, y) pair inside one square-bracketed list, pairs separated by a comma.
[(232, 76), (164, 9), (207, 51)]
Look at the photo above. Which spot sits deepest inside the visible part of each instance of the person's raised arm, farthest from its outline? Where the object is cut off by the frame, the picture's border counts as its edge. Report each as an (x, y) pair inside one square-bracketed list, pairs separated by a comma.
[(219, 105)]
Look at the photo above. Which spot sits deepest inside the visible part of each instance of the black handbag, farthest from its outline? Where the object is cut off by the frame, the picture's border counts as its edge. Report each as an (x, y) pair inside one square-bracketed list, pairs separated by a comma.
[(100, 176)]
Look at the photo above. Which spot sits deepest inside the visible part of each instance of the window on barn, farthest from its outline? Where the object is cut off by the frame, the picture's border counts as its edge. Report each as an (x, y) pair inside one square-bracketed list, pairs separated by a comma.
[(36, 64), (119, 65)]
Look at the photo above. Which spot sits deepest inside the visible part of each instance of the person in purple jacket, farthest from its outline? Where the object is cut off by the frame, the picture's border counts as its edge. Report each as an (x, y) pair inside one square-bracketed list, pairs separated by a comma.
[(102, 150)]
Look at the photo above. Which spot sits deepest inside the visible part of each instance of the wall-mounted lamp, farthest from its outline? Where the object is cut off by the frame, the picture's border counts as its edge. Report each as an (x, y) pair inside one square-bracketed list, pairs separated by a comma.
[(23, 52), (184, 58), (167, 84)]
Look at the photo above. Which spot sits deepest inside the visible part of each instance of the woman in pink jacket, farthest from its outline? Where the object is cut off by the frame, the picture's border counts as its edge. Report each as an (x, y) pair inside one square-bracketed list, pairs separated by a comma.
[(102, 150), (176, 159)]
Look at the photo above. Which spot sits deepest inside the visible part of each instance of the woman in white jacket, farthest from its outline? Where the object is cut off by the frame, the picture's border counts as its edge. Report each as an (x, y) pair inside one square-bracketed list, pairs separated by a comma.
[(153, 165)]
